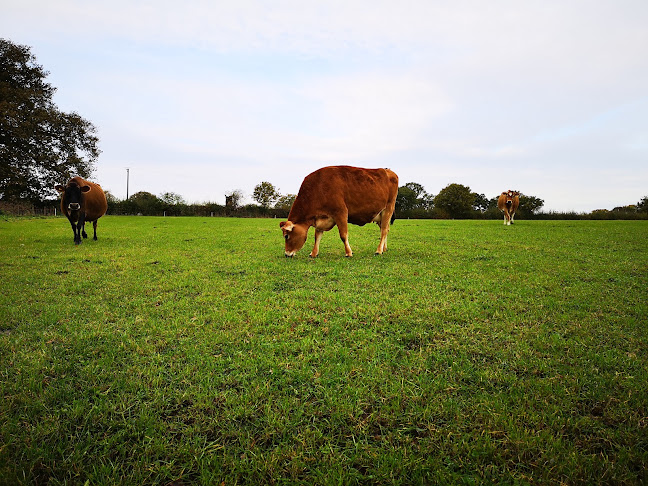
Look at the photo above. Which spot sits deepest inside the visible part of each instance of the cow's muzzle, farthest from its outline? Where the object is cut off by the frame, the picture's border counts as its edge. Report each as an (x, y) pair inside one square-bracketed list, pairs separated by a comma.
[(289, 254), (74, 206)]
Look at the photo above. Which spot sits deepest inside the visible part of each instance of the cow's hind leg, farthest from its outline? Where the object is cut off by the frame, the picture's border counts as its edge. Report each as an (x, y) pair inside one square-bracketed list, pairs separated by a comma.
[(384, 231), (343, 226)]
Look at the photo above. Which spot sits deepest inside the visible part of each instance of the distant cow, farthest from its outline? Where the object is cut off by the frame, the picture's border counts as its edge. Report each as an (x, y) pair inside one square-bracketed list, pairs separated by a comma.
[(82, 201), (341, 195), (509, 202)]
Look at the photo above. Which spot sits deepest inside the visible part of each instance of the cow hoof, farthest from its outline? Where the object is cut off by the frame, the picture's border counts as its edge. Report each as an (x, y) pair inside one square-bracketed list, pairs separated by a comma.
[(377, 254)]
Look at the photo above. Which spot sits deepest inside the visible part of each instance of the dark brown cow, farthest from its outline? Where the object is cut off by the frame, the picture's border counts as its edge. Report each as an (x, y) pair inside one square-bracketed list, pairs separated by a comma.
[(341, 195), (82, 201), (509, 202)]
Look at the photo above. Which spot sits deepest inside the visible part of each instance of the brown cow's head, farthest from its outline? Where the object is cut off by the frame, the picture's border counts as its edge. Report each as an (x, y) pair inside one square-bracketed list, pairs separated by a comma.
[(71, 195), (509, 197), (295, 236)]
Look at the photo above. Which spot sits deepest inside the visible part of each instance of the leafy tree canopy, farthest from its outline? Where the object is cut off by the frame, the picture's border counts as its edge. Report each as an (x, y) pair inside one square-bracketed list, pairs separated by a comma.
[(145, 203), (456, 199), (172, 199), (40, 146), (406, 199), (412, 196), (530, 204), (285, 202), (265, 194), (481, 203), (417, 188), (233, 199)]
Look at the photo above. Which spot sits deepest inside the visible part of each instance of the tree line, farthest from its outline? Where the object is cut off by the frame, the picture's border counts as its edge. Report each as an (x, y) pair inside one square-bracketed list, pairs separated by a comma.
[(172, 204), (41, 146), (455, 201)]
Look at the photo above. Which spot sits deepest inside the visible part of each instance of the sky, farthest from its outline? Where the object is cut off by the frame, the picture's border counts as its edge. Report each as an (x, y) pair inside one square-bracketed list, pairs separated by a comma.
[(201, 98)]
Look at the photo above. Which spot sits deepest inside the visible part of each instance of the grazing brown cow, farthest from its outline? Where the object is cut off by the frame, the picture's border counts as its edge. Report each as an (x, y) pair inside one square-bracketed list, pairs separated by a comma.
[(82, 201), (341, 195), (509, 202)]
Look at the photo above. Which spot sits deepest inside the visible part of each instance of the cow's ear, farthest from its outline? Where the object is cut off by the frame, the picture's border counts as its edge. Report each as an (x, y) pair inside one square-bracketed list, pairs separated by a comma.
[(85, 188), (59, 188), (286, 225)]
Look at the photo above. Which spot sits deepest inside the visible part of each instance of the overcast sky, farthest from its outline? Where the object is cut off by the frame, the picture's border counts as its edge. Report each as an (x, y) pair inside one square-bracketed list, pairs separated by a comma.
[(204, 97)]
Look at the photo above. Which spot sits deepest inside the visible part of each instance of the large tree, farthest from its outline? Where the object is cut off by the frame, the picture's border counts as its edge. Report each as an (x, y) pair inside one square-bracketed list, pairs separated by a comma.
[(172, 199), (265, 194), (456, 199), (285, 202), (406, 199), (145, 203), (480, 203), (412, 196), (40, 146), (233, 199), (529, 204)]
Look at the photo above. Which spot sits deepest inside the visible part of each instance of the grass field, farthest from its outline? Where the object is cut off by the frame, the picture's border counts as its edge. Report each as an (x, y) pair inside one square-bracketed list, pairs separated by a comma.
[(179, 351)]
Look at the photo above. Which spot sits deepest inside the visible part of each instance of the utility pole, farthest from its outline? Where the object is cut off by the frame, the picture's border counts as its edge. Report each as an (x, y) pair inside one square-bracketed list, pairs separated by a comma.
[(127, 177)]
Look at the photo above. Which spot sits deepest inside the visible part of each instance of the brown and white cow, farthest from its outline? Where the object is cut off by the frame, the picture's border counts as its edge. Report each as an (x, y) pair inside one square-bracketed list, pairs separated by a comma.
[(508, 202), (82, 201), (339, 195)]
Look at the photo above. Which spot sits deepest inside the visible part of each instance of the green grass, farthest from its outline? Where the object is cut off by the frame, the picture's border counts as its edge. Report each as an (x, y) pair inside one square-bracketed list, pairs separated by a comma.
[(190, 351)]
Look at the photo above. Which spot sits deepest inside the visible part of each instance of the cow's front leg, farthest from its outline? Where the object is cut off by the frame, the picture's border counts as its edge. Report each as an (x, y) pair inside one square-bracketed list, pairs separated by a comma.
[(81, 226), (343, 226), (94, 226), (318, 237), (76, 232)]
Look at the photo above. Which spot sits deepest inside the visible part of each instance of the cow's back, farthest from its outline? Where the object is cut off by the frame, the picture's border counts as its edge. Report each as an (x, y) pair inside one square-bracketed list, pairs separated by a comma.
[(360, 191), (95, 204)]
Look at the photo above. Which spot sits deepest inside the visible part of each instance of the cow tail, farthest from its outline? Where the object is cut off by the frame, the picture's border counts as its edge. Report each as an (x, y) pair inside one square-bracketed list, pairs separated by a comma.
[(393, 218)]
